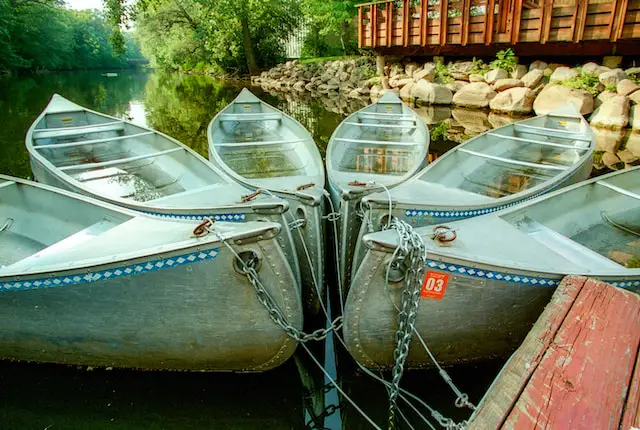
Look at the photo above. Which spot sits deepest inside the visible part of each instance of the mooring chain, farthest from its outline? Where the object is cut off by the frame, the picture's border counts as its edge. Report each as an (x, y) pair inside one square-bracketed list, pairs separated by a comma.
[(413, 248), (276, 315)]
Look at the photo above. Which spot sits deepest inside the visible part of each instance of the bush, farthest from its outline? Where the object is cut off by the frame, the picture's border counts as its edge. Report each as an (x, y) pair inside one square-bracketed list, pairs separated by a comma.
[(443, 74), (505, 60), (585, 82)]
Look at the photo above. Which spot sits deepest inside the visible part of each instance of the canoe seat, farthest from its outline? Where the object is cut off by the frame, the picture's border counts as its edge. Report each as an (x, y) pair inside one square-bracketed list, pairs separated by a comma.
[(376, 142), (260, 143), (65, 244), (66, 132), (362, 124), (386, 116), (250, 117)]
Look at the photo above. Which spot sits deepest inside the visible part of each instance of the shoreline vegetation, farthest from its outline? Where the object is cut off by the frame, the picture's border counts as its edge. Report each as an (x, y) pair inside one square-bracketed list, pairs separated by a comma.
[(42, 35)]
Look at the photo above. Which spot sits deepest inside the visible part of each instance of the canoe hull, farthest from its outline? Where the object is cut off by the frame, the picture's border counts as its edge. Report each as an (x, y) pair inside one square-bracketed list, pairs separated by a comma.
[(478, 318), (419, 215), (187, 310)]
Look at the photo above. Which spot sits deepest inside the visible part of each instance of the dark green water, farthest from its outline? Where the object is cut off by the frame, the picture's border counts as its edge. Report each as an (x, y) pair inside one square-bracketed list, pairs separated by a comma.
[(36, 396)]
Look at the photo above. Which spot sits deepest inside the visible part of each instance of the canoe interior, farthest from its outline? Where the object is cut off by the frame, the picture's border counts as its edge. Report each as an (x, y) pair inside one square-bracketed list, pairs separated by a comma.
[(35, 222), (594, 225), (497, 165), (384, 139), (119, 160), (262, 145)]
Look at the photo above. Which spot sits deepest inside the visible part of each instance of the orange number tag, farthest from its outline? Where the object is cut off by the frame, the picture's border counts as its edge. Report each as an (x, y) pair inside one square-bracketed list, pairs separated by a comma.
[(434, 285)]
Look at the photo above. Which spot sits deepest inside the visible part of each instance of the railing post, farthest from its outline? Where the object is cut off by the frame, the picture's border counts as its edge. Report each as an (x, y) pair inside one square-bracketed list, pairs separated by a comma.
[(405, 23), (581, 21), (515, 24), (444, 21), (389, 24), (360, 27), (374, 25), (464, 22), (488, 25)]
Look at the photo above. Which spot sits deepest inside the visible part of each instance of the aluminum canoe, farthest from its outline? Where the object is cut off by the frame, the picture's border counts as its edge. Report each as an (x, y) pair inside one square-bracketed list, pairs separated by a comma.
[(87, 283), (498, 274), (77, 149), (492, 171), (268, 151), (379, 146)]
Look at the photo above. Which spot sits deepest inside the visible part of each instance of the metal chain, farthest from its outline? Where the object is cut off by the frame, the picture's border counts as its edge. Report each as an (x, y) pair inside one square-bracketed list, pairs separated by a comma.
[(276, 315), (411, 248), (300, 222)]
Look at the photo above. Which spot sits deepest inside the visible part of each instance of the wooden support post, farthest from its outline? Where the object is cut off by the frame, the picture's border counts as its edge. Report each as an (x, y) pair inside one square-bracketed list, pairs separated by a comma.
[(488, 25), (464, 22), (424, 22), (621, 14), (405, 23), (612, 19), (360, 27), (574, 18), (380, 66), (389, 24), (515, 24), (374, 25), (581, 21), (444, 21), (546, 23)]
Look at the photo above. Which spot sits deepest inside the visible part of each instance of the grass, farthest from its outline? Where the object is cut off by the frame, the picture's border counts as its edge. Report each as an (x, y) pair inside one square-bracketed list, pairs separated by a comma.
[(325, 59)]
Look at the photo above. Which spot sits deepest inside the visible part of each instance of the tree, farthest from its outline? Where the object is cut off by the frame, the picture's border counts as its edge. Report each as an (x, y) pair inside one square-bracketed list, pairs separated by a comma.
[(326, 18), (234, 35)]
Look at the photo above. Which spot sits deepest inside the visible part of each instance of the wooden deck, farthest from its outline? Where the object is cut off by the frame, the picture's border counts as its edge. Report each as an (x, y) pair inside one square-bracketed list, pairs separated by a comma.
[(529, 27), (578, 368)]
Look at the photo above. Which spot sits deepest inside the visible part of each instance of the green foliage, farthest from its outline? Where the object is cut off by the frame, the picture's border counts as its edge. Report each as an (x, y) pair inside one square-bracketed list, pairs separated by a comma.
[(505, 60), (611, 87), (585, 82), (330, 24), (479, 67), (233, 36), (439, 131), (443, 75), (44, 35), (325, 59)]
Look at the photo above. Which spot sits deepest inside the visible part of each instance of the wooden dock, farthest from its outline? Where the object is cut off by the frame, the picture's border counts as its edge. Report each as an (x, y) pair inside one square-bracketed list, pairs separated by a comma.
[(578, 368), (481, 27)]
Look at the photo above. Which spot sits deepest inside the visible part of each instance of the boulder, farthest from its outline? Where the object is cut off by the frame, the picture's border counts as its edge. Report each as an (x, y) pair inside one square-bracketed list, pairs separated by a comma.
[(456, 85), (602, 97), (533, 78), (375, 91), (626, 156), (405, 92), (538, 65), (461, 66), (459, 76), (608, 140), (610, 160), (372, 81), (612, 61), (402, 82), (505, 84), (410, 69), (554, 96), (634, 97), (612, 77), (537, 90), (493, 75), (476, 77), (626, 87), (563, 74), (552, 68), (430, 93), (514, 100), (594, 69), (612, 113), (434, 114), (475, 95), (344, 76), (473, 121), (633, 71), (499, 119), (519, 71), (634, 117), (427, 73), (633, 144), (299, 86), (354, 94)]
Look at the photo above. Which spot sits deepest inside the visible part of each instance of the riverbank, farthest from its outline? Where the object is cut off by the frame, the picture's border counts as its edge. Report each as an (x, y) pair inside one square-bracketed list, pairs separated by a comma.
[(466, 106)]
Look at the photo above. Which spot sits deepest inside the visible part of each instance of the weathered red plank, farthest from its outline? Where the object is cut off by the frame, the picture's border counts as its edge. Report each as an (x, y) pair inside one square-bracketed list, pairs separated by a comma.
[(444, 13), (497, 404), (631, 417), (590, 362)]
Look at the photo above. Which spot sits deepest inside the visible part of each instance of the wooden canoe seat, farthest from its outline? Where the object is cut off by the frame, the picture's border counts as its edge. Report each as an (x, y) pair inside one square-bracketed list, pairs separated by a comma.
[(66, 132), (250, 117)]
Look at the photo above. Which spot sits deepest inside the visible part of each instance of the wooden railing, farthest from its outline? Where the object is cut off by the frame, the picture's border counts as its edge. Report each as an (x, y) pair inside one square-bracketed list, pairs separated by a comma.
[(416, 23)]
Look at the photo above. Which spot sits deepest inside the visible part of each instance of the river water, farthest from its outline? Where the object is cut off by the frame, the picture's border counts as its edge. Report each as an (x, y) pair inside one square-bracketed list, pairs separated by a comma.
[(39, 396)]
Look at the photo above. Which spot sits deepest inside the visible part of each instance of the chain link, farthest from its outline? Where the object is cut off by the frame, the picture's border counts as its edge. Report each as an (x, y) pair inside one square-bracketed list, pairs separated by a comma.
[(411, 248), (300, 222)]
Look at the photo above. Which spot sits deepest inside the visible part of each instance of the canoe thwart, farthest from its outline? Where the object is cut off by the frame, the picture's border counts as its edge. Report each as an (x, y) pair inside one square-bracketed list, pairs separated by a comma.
[(94, 141), (119, 161), (258, 143), (538, 142), (65, 132), (375, 142), (510, 161), (564, 134), (362, 124), (619, 190), (250, 117)]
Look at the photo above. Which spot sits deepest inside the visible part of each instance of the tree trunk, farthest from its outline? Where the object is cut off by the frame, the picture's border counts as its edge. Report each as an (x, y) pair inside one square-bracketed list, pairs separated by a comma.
[(248, 46), (315, 43)]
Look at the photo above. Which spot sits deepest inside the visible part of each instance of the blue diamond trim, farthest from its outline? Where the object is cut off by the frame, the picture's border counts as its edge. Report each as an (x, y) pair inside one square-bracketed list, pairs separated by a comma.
[(515, 278), (113, 273), (239, 217)]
